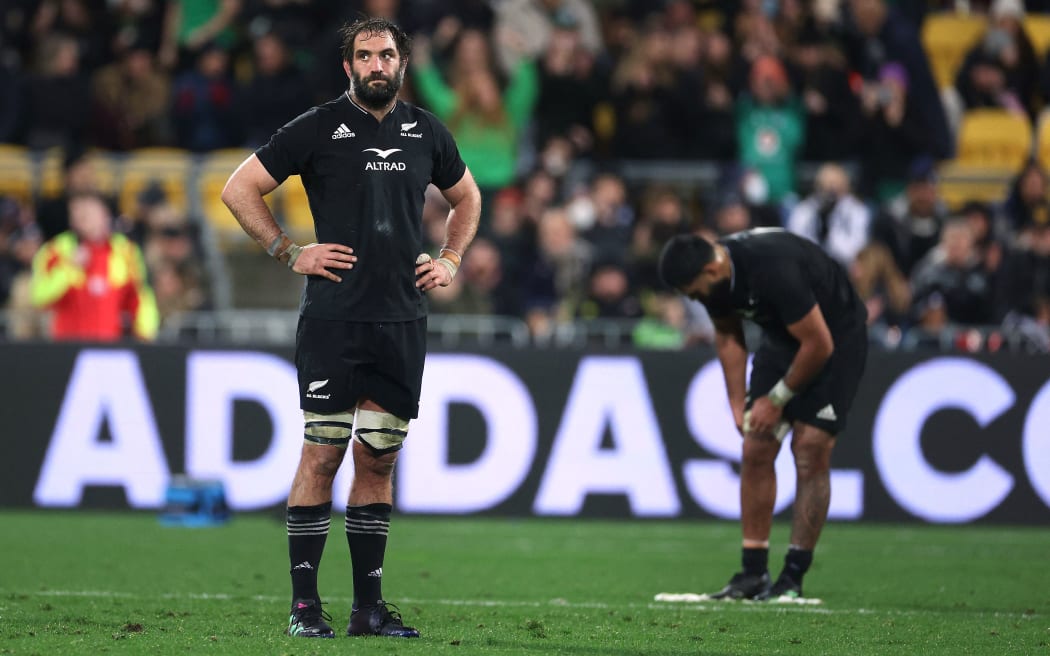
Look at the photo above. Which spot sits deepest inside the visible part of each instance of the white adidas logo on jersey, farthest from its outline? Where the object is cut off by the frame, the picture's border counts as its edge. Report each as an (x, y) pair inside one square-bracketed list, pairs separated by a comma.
[(343, 132)]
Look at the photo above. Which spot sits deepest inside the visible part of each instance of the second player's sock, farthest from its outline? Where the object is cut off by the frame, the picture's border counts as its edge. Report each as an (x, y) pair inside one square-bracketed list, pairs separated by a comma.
[(796, 563), (755, 560), (366, 531)]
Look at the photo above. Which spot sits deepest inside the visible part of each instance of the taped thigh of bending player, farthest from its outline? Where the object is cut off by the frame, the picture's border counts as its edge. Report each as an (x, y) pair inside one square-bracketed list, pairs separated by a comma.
[(779, 431), (381, 432), (333, 430)]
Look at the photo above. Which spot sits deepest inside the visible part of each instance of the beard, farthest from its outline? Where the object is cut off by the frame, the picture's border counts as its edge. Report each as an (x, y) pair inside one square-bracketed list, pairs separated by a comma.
[(376, 96), (720, 296)]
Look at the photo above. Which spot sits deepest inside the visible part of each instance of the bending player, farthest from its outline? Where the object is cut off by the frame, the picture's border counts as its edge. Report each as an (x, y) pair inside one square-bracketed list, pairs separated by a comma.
[(805, 375)]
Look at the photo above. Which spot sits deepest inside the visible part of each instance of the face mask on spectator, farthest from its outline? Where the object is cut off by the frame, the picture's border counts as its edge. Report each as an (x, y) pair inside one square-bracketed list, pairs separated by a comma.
[(755, 189)]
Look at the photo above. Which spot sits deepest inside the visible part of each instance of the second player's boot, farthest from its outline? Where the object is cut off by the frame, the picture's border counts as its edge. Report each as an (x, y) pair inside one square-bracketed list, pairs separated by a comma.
[(785, 588), (308, 620), (745, 586)]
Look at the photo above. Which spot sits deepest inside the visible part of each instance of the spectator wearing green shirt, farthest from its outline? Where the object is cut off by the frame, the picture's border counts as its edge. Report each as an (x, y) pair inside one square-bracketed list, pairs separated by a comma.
[(200, 22), (664, 325), (486, 122), (770, 127)]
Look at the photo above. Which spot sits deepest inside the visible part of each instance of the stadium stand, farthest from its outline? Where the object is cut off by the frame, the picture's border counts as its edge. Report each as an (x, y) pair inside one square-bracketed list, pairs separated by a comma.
[(700, 76)]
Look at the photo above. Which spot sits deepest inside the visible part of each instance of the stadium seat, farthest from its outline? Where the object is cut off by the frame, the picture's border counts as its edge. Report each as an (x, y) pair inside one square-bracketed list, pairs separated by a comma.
[(959, 183), (993, 138), (1042, 139), (16, 173), (946, 38), (52, 181), (215, 170), (1037, 27), (604, 121), (993, 145), (169, 167), (295, 210)]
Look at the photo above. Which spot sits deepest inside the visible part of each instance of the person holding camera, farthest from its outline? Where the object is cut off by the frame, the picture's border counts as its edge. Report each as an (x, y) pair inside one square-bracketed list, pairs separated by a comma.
[(1001, 71), (902, 108), (893, 135)]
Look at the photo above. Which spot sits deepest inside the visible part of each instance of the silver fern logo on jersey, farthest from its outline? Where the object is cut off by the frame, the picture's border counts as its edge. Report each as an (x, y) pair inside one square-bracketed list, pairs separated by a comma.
[(405, 127)]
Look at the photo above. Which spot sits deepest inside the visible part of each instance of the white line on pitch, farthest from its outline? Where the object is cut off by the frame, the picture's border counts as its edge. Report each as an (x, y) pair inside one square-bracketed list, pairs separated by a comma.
[(521, 603)]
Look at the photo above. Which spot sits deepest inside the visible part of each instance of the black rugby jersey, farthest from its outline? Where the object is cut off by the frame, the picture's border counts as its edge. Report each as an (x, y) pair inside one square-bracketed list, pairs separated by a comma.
[(365, 181), (779, 276)]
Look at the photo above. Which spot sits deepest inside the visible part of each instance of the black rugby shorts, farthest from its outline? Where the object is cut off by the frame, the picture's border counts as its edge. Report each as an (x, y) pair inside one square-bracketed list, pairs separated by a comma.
[(340, 363), (826, 401)]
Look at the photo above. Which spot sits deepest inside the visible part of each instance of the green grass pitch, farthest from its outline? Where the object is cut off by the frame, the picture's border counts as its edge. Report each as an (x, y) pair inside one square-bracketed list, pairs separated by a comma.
[(92, 583)]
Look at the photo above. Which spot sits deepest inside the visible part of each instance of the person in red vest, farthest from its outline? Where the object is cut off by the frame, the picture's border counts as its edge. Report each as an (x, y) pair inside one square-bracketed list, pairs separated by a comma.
[(92, 280)]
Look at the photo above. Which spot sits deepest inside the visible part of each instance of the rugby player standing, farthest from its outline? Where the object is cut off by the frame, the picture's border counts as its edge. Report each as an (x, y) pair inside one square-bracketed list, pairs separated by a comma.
[(365, 160)]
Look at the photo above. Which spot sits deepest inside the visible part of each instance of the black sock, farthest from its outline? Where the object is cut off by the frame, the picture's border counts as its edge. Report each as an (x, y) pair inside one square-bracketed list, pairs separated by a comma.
[(796, 563), (366, 531), (307, 531), (755, 559)]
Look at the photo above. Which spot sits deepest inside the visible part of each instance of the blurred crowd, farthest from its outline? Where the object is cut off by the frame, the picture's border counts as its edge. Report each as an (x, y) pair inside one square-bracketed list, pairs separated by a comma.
[(548, 99)]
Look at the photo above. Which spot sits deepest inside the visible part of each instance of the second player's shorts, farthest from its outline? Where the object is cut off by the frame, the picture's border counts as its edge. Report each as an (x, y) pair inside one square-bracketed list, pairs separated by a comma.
[(342, 362), (826, 401)]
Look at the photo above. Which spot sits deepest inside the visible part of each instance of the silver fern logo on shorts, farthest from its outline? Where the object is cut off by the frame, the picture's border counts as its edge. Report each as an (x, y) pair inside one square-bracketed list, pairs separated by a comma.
[(314, 386)]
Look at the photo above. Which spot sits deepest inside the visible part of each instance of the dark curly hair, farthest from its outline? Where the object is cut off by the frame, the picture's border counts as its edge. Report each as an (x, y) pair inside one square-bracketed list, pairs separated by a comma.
[(372, 26), (682, 258)]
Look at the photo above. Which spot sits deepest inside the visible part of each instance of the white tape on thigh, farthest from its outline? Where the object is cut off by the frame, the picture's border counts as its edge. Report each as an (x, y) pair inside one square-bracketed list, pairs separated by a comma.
[(779, 431), (380, 430), (334, 429)]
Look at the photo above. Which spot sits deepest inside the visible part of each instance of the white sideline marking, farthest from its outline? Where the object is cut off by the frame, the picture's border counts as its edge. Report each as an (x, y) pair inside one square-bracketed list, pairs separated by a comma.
[(714, 606), (694, 598), (221, 596)]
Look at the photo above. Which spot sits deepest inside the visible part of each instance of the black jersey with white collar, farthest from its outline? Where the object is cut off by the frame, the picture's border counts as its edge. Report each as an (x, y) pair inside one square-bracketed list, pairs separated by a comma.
[(777, 279), (365, 181)]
